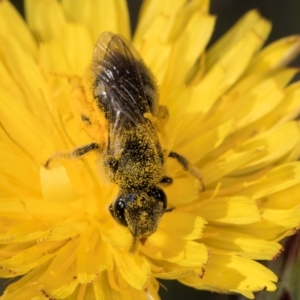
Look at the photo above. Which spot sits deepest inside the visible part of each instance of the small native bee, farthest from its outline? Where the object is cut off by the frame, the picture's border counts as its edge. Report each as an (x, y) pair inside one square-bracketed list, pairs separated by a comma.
[(125, 93)]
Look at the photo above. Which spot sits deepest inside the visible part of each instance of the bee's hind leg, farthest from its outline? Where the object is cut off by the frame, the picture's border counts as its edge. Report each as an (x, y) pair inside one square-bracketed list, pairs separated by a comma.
[(169, 209), (188, 167), (76, 153)]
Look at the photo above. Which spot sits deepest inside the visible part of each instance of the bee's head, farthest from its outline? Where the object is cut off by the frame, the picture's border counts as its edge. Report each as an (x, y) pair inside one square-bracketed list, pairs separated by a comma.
[(140, 211)]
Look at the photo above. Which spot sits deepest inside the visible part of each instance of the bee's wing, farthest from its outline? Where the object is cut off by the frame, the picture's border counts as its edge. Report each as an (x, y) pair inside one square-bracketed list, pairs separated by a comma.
[(123, 87)]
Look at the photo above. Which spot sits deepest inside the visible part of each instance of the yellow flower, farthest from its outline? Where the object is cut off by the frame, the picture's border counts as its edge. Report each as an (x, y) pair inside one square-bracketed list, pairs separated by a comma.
[(231, 114)]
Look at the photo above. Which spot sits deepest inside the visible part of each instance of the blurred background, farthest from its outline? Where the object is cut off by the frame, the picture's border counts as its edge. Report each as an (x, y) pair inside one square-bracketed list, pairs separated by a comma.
[(285, 16)]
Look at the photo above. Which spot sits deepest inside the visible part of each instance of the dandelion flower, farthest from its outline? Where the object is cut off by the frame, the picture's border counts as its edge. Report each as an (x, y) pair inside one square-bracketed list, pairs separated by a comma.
[(232, 115)]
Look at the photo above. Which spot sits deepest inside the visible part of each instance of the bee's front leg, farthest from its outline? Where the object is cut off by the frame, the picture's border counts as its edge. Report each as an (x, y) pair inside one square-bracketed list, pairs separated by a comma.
[(165, 180), (188, 167), (76, 153)]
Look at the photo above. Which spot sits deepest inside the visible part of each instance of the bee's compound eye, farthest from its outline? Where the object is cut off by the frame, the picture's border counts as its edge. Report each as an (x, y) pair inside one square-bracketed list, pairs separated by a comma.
[(117, 209), (158, 194)]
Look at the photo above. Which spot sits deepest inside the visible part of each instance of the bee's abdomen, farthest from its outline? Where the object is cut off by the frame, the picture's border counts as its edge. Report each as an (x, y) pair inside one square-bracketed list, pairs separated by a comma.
[(139, 163)]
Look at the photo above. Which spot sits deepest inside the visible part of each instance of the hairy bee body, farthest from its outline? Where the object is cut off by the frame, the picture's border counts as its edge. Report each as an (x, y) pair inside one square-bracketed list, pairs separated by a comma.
[(137, 165), (118, 106), (125, 93), (133, 157)]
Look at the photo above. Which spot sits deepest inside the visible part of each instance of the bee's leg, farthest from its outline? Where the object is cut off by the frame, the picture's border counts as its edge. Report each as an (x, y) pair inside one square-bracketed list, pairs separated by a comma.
[(163, 114), (188, 167), (165, 180), (169, 209), (76, 153)]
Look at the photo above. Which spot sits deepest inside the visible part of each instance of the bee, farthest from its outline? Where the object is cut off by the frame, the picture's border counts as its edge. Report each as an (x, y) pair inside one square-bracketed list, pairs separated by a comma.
[(125, 94)]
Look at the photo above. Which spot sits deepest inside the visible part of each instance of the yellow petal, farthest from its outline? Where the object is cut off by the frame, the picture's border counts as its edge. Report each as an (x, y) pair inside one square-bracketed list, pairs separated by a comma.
[(169, 270), (185, 190), (99, 16), (182, 225), (276, 55), (233, 241), (249, 106), (27, 131), (45, 18), (251, 21), (225, 71), (152, 292), (56, 185), (180, 24), (185, 253), (60, 280), (24, 208), (82, 292), (158, 63), (118, 236), (233, 274), (137, 295), (89, 262), (12, 24), (196, 148), (290, 196), (27, 260), (154, 16), (277, 142), (235, 210), (182, 18), (53, 59), (71, 52), (103, 289), (27, 74), (32, 283), (265, 98), (290, 106), (30, 230), (17, 166), (25, 287), (285, 219), (176, 103), (273, 231), (182, 59), (227, 164), (134, 269), (63, 231), (253, 81), (278, 179), (8, 83)]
